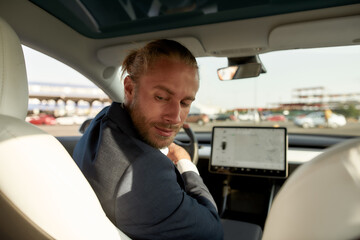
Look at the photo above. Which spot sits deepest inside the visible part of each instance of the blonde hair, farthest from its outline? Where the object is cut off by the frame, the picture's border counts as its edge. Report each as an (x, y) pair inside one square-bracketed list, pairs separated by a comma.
[(140, 60)]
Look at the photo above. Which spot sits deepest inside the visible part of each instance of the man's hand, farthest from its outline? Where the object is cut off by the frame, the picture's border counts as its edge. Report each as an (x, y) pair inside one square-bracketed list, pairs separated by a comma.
[(176, 153)]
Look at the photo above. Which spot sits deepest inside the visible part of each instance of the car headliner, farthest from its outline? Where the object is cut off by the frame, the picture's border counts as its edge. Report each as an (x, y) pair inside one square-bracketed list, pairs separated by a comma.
[(113, 18), (250, 28)]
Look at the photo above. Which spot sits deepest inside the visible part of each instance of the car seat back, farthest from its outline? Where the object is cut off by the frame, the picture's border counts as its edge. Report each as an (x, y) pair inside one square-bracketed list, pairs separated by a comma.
[(321, 199), (43, 194)]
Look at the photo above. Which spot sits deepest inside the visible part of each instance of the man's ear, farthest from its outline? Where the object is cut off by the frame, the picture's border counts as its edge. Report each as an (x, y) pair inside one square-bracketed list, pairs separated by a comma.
[(129, 87)]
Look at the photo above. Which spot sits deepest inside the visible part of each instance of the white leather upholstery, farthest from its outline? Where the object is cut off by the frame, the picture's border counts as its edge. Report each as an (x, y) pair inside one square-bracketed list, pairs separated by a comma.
[(321, 200), (13, 91), (43, 194)]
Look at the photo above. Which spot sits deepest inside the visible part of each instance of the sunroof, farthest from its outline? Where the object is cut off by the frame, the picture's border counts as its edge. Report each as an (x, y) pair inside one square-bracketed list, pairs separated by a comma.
[(110, 18)]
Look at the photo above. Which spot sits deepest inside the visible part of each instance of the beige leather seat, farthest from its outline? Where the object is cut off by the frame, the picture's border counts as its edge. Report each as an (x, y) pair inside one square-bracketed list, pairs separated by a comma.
[(43, 194), (321, 200)]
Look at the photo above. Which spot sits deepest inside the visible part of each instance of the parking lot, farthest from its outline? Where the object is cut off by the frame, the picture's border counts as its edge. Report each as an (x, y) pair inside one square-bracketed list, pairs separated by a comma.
[(351, 128)]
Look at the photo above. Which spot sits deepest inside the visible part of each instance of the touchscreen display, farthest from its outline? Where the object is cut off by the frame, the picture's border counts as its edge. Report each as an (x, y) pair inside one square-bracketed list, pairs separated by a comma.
[(257, 151)]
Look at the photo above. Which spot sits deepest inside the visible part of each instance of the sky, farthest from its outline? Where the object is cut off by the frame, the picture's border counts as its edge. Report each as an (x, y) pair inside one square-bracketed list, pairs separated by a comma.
[(337, 69), (42, 68)]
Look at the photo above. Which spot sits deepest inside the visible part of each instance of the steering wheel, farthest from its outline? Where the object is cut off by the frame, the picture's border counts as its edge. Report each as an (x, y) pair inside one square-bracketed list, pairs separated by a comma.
[(192, 146)]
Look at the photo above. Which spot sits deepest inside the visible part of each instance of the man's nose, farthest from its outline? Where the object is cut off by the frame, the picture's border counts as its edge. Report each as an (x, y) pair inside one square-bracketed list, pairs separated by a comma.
[(173, 113)]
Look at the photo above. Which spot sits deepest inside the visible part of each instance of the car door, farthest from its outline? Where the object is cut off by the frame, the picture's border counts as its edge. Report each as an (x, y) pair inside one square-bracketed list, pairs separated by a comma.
[(319, 119)]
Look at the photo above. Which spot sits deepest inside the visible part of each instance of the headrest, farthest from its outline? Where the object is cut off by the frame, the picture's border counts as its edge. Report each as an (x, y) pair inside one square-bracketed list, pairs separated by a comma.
[(321, 199), (13, 79)]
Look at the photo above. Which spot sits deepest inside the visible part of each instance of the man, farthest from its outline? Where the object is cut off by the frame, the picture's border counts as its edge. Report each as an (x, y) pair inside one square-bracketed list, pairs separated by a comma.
[(145, 193), (327, 115)]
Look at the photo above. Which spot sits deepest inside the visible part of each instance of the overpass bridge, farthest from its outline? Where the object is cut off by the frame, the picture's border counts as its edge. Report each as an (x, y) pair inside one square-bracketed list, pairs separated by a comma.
[(61, 99)]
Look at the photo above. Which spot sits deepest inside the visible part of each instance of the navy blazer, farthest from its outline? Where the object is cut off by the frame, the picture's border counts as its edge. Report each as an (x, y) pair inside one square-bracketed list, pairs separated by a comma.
[(139, 188)]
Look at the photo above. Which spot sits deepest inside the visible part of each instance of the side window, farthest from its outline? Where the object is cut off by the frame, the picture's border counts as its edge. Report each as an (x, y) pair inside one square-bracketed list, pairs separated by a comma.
[(60, 99)]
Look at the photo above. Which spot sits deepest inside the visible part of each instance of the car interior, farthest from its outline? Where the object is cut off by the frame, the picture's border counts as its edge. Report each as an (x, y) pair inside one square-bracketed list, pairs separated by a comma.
[(295, 186)]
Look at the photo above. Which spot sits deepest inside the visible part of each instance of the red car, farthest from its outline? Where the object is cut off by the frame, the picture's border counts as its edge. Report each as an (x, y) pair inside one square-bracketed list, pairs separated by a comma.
[(199, 118), (276, 118), (41, 119)]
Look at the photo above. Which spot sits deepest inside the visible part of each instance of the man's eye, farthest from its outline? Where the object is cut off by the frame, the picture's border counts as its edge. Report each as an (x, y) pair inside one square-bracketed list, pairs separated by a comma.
[(159, 98), (185, 104)]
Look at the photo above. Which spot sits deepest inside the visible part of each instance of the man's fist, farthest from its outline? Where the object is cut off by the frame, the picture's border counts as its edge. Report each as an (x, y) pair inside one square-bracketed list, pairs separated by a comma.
[(176, 153)]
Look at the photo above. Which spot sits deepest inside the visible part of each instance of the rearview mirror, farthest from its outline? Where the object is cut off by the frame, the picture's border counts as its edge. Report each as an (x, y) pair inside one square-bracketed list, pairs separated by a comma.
[(247, 70), (241, 67)]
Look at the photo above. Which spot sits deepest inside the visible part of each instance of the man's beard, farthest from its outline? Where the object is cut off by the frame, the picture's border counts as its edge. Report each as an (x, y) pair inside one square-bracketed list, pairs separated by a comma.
[(143, 126)]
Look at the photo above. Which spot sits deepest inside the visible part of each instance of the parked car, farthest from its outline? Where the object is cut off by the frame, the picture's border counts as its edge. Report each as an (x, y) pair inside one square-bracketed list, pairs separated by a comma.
[(199, 118), (71, 120), (221, 117), (41, 119), (252, 116), (275, 118), (317, 119)]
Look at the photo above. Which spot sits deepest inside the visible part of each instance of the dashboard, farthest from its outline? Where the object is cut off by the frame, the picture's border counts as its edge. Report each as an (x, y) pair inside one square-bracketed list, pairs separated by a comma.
[(245, 197)]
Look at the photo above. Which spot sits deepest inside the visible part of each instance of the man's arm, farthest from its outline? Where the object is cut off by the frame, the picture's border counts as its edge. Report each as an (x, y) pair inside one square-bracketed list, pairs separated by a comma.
[(152, 203), (194, 184)]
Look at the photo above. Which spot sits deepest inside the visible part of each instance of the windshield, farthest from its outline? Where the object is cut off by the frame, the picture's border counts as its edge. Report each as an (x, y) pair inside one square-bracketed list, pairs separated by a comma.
[(312, 91), (307, 91)]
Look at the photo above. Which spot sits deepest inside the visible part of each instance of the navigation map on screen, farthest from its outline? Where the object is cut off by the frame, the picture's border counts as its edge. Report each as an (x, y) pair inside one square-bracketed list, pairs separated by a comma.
[(257, 151)]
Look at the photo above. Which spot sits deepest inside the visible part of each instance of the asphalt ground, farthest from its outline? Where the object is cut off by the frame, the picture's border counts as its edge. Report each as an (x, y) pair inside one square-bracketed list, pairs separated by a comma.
[(350, 129)]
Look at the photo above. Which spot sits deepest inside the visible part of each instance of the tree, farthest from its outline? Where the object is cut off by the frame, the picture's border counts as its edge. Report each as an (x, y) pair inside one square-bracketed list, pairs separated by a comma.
[(348, 110)]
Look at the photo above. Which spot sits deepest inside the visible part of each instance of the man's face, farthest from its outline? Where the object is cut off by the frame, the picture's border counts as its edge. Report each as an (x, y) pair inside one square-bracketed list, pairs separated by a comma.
[(160, 101)]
